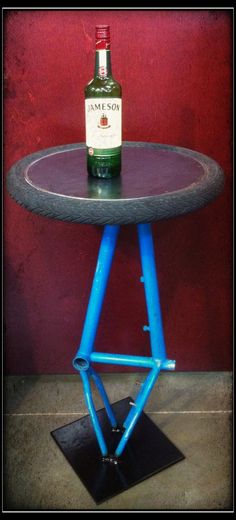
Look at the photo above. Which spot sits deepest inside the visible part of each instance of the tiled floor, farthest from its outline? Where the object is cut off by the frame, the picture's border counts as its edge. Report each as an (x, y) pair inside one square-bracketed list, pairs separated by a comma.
[(192, 409)]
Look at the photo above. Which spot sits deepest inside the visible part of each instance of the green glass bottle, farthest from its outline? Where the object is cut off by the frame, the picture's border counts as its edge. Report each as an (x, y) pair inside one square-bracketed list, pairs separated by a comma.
[(103, 113)]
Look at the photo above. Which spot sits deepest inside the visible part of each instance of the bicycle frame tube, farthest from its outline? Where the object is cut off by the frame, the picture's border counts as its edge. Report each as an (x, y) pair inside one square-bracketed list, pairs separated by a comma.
[(151, 291)]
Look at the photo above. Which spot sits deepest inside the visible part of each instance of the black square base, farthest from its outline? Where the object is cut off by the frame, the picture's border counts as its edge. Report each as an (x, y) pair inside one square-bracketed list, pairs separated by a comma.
[(147, 452)]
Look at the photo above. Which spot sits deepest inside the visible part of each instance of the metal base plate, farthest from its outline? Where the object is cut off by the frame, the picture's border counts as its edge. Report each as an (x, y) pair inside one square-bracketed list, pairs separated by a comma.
[(147, 452)]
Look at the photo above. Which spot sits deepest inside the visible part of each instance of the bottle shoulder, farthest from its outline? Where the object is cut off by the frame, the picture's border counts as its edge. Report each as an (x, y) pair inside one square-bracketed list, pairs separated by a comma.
[(107, 87)]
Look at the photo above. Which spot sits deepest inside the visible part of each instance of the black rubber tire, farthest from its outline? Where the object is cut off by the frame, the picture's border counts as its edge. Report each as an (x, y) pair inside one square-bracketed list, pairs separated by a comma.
[(116, 211)]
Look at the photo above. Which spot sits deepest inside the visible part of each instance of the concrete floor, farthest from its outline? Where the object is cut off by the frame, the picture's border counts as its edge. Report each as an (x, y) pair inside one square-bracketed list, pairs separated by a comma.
[(192, 409)]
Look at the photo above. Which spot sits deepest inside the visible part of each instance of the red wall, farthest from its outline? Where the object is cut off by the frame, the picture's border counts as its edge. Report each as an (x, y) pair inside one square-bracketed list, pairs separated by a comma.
[(175, 70)]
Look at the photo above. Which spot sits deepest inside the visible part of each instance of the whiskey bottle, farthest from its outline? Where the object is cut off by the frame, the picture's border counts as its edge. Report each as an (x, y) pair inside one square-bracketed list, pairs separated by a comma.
[(103, 113)]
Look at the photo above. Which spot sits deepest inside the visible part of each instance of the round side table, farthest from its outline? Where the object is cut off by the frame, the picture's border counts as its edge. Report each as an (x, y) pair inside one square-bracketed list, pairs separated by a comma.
[(117, 446)]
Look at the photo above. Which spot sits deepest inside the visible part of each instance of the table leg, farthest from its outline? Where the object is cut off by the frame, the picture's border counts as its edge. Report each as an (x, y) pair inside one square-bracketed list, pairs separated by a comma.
[(149, 278), (116, 469), (85, 354), (137, 409), (150, 281), (82, 358), (92, 411), (100, 280), (104, 397)]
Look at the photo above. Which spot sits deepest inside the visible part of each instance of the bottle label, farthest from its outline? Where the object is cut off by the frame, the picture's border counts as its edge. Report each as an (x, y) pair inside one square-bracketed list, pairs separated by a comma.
[(103, 124)]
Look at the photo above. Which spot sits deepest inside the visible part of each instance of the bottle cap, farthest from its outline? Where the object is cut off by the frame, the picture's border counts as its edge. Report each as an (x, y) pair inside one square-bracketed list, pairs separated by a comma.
[(102, 32)]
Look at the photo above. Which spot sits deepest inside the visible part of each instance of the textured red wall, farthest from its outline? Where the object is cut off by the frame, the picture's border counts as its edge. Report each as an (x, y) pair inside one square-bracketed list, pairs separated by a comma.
[(175, 70)]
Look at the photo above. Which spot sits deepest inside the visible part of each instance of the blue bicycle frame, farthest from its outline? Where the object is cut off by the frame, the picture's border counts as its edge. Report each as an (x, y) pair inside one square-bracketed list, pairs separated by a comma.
[(86, 355)]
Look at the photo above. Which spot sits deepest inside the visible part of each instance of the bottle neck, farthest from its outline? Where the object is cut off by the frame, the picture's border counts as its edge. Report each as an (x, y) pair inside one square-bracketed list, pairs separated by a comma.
[(103, 63)]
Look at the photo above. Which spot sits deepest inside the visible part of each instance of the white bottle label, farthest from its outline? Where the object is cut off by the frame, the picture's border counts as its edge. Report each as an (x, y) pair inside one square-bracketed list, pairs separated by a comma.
[(103, 123)]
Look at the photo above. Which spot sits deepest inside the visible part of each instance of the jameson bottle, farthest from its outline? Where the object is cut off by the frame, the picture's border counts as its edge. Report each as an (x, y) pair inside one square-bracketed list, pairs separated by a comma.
[(103, 113)]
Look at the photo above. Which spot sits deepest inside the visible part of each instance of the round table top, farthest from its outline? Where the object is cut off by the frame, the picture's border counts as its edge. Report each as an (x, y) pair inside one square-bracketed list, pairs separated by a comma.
[(157, 181)]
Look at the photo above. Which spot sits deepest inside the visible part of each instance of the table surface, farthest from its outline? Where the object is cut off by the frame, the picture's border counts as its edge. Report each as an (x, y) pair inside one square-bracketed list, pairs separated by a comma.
[(157, 181)]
